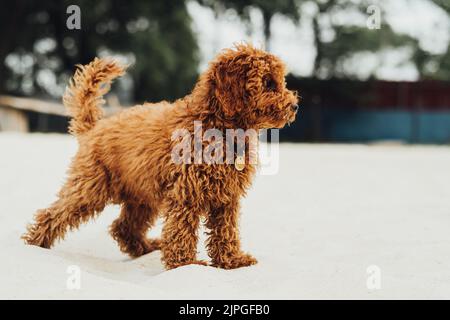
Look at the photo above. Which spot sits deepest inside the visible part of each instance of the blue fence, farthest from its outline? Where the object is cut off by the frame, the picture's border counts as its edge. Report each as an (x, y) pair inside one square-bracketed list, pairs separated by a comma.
[(420, 127), (340, 125)]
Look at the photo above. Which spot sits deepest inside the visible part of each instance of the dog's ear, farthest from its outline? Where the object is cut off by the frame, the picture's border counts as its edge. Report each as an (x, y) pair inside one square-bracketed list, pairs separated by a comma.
[(229, 88)]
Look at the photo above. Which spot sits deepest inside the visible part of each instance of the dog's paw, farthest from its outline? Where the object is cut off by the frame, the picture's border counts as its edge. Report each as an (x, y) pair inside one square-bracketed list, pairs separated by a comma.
[(152, 245), (238, 261), (36, 240), (36, 237), (139, 247), (181, 264)]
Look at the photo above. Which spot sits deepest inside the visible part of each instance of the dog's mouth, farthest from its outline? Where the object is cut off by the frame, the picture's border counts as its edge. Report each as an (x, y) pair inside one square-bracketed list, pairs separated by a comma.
[(281, 123), (292, 117), (280, 119), (289, 118)]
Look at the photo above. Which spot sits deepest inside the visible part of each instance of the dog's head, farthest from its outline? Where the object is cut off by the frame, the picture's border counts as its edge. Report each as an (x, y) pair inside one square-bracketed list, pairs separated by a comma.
[(250, 88)]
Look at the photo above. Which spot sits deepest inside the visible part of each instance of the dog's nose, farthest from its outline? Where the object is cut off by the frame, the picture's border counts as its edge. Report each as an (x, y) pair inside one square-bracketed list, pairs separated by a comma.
[(294, 107)]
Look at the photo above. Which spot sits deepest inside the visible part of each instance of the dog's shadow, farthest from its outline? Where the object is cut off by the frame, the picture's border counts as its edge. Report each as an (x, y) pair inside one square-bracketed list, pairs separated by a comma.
[(131, 270)]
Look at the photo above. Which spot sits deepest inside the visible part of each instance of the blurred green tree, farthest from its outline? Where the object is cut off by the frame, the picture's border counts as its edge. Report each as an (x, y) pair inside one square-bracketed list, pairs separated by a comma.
[(268, 8), (36, 44), (38, 52), (337, 41), (440, 63)]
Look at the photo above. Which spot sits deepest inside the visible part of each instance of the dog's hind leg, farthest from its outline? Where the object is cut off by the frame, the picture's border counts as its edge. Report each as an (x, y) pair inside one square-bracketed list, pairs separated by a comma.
[(84, 194), (130, 229)]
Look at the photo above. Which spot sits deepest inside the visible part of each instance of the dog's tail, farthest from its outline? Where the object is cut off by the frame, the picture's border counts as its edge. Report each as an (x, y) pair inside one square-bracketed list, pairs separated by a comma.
[(84, 95)]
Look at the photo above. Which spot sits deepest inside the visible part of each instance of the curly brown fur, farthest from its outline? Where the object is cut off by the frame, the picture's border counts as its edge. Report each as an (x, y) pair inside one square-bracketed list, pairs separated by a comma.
[(83, 97), (126, 159)]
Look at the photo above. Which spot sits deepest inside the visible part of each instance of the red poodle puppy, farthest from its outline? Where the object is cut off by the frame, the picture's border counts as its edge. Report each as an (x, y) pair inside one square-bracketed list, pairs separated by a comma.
[(128, 159)]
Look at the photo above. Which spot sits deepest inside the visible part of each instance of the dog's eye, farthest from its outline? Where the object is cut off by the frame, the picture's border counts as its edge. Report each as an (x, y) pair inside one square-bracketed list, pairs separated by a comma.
[(270, 84)]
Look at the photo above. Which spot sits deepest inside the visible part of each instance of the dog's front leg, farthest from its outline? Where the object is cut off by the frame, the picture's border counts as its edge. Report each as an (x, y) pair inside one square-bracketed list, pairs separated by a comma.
[(223, 243), (179, 236)]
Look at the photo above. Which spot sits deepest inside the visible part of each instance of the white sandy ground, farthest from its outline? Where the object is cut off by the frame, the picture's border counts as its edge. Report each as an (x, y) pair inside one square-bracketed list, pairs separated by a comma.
[(330, 212)]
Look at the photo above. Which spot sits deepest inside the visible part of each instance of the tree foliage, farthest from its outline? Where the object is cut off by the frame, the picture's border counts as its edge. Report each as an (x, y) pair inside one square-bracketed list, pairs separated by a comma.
[(268, 8), (441, 62), (348, 39), (157, 33), (36, 44)]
